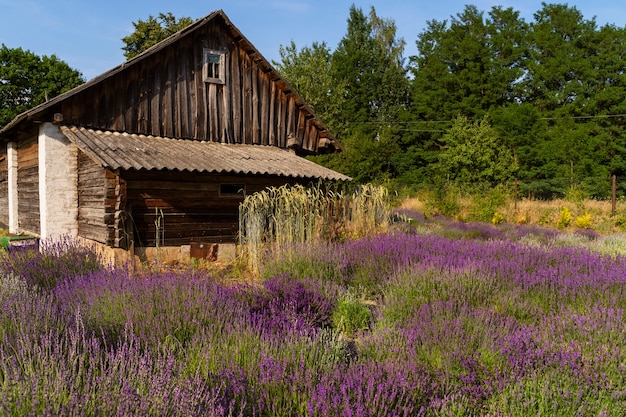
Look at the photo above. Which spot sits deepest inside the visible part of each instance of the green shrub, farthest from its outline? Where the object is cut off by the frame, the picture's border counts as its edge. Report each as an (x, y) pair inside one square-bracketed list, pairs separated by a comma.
[(486, 200), (351, 315), (444, 200), (620, 221)]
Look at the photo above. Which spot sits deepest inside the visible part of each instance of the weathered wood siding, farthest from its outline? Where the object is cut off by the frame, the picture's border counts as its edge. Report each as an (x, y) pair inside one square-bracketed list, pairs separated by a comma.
[(116, 218), (101, 204), (165, 95), (186, 207), (91, 200), (28, 184), (4, 187)]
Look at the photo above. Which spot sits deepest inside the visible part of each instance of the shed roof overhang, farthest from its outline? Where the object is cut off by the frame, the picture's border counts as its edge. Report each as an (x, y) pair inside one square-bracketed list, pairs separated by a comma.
[(124, 151)]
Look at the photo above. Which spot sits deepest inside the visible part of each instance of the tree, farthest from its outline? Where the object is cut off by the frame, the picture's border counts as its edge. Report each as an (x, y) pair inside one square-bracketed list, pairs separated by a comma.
[(474, 152), (575, 77), (561, 45), (606, 98), (508, 48), (466, 66), (27, 80), (368, 63), (469, 65), (152, 31), (371, 91), (309, 71), (524, 132)]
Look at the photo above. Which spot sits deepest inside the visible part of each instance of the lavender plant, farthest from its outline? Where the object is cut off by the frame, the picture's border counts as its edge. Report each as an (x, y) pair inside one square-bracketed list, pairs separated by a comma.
[(11, 285), (53, 261), (465, 326)]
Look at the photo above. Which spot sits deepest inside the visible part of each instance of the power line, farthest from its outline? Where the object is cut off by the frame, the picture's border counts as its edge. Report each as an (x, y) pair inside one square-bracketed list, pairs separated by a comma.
[(598, 116), (420, 130), (410, 122)]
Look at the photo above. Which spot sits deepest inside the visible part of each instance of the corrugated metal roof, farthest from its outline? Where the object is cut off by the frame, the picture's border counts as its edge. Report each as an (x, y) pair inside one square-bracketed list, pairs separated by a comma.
[(114, 150)]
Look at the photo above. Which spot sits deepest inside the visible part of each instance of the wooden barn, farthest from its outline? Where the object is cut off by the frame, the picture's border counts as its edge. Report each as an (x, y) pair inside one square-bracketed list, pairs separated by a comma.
[(161, 150)]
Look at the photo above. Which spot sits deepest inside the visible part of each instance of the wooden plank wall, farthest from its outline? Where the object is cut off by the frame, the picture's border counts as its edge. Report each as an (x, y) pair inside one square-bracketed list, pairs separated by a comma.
[(165, 95), (188, 208), (101, 204), (4, 188), (28, 185), (91, 200), (116, 217)]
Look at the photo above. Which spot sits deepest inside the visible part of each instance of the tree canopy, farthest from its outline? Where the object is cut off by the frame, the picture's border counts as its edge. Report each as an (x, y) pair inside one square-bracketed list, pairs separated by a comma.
[(551, 91), (27, 80), (483, 87), (151, 31), (474, 152)]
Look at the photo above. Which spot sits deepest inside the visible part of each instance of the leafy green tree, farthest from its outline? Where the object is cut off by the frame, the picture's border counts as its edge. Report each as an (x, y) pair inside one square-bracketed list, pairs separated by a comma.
[(27, 80), (152, 31), (559, 66), (309, 71), (372, 92), (554, 90), (474, 152), (469, 65), (522, 129), (368, 63), (508, 49), (606, 98), (575, 77)]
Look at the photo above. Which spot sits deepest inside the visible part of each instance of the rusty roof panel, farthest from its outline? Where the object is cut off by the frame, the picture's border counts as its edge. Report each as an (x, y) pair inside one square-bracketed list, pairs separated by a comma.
[(114, 150)]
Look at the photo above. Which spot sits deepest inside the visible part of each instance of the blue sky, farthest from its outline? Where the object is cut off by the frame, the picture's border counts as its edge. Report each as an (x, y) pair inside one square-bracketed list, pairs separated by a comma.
[(87, 34)]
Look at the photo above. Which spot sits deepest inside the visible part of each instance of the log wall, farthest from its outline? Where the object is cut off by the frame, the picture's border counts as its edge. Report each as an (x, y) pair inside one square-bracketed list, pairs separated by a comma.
[(116, 217), (4, 188), (101, 204), (186, 208), (28, 185), (91, 200)]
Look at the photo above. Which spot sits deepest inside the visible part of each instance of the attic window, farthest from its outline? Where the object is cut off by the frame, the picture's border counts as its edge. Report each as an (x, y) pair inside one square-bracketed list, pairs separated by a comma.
[(213, 66), (233, 190)]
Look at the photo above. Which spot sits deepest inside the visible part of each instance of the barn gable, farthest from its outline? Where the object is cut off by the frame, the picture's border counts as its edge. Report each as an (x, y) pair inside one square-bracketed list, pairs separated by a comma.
[(171, 90)]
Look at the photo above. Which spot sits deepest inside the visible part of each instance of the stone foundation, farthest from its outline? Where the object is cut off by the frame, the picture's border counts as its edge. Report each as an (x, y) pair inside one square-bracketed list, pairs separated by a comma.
[(168, 255)]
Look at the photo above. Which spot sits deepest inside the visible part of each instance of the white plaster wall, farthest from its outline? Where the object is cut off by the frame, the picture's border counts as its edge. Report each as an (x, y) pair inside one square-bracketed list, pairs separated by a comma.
[(58, 183), (12, 186)]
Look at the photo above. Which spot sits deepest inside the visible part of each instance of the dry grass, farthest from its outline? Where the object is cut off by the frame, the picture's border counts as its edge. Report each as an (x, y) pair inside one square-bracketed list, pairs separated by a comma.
[(413, 203), (543, 213), (550, 213)]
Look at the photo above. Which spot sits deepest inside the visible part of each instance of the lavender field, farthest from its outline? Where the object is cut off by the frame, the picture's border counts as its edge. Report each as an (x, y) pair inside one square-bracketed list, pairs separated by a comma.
[(462, 320)]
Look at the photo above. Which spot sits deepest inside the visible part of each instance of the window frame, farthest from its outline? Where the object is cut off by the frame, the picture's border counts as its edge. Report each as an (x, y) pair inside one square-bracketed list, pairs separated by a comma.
[(225, 190), (209, 76)]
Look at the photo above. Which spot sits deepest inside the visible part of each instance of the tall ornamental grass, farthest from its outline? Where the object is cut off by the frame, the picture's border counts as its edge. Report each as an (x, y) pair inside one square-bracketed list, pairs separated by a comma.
[(388, 325), (296, 214)]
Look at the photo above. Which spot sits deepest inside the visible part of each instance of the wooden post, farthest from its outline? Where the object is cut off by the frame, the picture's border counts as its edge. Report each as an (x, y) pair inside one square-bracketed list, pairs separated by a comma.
[(613, 195), (515, 197)]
